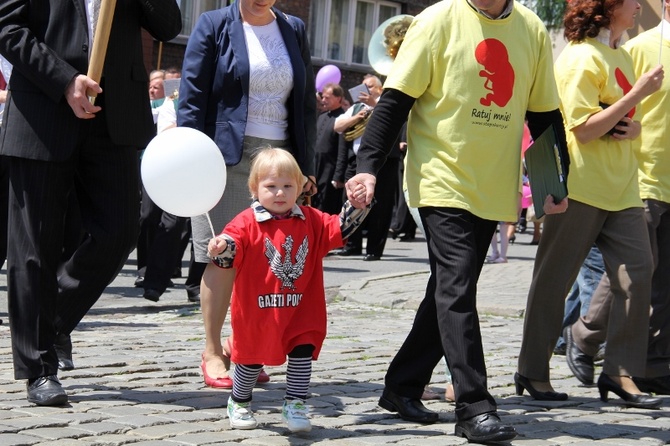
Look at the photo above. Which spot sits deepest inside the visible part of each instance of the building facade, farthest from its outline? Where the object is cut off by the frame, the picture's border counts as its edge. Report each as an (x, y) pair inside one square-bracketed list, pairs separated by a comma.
[(339, 30)]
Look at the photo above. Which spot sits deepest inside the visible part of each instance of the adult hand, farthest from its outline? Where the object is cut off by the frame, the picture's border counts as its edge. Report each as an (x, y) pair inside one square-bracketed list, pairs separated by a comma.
[(3, 96), (309, 188), (650, 81), (361, 189), (367, 99), (631, 129), (76, 97), (552, 208), (337, 184)]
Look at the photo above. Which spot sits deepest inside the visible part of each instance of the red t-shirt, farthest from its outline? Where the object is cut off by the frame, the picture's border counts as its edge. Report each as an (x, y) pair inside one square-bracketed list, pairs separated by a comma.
[(278, 298)]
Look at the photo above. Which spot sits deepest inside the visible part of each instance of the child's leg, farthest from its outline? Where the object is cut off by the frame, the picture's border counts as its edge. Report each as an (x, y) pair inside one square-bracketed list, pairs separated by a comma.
[(298, 376), (239, 403), (244, 379)]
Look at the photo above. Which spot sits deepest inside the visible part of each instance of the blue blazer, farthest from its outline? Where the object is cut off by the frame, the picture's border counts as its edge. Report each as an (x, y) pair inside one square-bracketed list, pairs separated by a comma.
[(213, 94)]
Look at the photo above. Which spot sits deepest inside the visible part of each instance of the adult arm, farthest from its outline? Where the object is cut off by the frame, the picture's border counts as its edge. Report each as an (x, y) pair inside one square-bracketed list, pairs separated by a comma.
[(380, 134), (198, 72), (600, 123), (309, 107), (538, 122)]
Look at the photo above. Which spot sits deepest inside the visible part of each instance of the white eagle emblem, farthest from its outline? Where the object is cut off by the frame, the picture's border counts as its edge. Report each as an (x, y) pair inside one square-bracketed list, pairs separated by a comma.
[(286, 271)]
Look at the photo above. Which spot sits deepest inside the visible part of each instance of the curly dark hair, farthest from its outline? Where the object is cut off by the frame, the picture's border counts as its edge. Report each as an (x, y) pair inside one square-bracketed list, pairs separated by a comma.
[(585, 18)]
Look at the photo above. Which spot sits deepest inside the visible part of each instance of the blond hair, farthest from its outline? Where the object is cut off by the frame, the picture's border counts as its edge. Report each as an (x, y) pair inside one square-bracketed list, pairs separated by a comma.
[(271, 160)]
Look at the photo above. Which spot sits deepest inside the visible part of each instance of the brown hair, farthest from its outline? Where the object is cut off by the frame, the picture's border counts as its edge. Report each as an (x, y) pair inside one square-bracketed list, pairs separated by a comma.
[(336, 89), (585, 18)]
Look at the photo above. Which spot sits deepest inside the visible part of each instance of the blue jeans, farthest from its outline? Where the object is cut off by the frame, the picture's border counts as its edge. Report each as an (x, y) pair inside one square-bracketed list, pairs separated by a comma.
[(579, 298)]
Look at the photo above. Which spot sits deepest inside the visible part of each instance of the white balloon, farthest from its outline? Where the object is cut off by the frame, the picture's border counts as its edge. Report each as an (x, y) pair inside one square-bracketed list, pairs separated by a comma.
[(183, 172)]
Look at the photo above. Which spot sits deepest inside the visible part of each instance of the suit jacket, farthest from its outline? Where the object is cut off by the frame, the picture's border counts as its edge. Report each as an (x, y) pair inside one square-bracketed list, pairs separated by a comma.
[(47, 55), (213, 94)]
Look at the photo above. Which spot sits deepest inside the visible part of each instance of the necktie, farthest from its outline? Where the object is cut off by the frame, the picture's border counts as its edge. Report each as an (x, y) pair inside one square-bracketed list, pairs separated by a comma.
[(3, 83), (94, 15)]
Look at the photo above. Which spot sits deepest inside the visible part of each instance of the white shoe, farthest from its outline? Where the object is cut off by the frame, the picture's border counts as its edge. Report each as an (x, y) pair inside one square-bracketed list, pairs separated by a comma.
[(500, 260), (295, 413), (240, 415)]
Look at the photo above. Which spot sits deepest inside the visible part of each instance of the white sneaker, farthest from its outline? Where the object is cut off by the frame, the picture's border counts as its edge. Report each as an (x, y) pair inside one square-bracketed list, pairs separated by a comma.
[(240, 415), (295, 413)]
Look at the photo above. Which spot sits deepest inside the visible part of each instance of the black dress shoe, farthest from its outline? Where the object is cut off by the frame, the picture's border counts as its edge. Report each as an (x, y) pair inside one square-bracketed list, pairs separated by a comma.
[(350, 252), (46, 391), (152, 295), (659, 385), (579, 362), (63, 346), (521, 383), (485, 428), (641, 401), (139, 282), (410, 409), (371, 257), (195, 298)]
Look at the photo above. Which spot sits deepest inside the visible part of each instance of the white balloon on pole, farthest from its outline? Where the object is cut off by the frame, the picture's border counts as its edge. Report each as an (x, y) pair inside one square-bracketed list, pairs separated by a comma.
[(183, 172)]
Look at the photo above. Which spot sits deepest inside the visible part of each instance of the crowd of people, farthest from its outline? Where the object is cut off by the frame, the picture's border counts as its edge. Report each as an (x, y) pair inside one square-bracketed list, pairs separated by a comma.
[(311, 171)]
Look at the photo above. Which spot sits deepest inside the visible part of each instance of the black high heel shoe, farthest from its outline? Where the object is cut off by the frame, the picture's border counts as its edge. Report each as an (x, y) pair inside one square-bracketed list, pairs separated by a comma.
[(642, 401), (521, 383)]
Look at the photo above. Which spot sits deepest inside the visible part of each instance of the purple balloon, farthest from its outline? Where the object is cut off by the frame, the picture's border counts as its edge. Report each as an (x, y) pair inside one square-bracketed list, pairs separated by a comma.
[(327, 74)]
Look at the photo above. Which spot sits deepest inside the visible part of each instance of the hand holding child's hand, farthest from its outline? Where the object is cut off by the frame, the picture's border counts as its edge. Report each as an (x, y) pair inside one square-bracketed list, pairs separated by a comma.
[(216, 246)]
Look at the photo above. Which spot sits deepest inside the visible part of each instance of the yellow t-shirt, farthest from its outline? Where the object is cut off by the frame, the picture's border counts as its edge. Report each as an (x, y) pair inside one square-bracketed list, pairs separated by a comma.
[(473, 79), (653, 151), (603, 172)]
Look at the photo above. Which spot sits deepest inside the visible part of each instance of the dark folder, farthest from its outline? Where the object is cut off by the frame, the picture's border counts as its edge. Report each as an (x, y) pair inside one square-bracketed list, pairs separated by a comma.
[(546, 170)]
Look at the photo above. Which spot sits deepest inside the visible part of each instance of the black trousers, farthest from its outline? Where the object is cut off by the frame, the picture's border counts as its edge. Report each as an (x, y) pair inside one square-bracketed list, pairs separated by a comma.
[(46, 296), (446, 322), (159, 246)]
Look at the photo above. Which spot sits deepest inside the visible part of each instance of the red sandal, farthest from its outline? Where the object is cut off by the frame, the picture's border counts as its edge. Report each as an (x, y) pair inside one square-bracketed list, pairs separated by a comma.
[(217, 382)]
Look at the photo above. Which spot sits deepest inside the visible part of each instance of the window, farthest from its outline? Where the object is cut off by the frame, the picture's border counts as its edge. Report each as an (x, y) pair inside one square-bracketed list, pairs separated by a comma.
[(191, 10), (340, 30)]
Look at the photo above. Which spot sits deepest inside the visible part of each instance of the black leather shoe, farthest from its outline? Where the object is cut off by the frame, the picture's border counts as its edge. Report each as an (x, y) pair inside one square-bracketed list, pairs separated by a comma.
[(195, 298), (641, 401), (521, 383), (485, 428), (152, 295), (371, 257), (659, 385), (46, 391), (579, 362), (63, 346), (410, 409), (350, 252)]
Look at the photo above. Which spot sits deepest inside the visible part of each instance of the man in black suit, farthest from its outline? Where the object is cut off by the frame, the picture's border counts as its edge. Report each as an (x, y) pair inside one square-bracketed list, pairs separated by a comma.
[(329, 196), (58, 143)]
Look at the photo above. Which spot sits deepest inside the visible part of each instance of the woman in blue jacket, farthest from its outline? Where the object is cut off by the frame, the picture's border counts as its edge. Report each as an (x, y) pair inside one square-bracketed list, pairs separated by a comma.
[(247, 82)]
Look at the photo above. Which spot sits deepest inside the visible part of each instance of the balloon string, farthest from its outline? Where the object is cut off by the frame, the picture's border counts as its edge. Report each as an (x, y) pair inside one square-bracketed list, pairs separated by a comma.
[(211, 226)]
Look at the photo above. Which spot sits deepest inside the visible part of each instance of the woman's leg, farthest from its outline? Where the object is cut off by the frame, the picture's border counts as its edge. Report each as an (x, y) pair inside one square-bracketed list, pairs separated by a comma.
[(215, 291)]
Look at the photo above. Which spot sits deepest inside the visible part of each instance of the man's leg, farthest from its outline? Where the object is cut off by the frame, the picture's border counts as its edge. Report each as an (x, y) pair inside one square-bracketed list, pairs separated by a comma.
[(108, 196)]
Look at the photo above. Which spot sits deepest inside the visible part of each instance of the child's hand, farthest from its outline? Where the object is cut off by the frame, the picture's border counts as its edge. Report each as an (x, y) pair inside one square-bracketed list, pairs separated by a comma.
[(216, 246)]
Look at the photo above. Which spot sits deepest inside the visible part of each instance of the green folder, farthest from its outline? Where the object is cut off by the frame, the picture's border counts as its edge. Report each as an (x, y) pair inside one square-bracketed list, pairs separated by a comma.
[(546, 170)]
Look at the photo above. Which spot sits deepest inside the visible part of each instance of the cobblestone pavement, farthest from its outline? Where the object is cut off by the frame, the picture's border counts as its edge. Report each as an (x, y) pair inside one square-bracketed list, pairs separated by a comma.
[(137, 378)]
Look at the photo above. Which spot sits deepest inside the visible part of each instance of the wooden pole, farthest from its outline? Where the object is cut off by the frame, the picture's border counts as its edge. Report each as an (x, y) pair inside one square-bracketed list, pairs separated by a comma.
[(160, 55), (99, 51)]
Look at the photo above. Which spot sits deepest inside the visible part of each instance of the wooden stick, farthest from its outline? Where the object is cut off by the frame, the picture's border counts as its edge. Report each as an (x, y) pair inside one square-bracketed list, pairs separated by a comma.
[(160, 55), (99, 51)]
